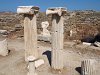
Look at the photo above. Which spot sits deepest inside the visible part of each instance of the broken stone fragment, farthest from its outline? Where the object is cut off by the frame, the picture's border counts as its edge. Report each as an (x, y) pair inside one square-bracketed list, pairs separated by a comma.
[(45, 34), (85, 43), (88, 67), (3, 31), (45, 25), (3, 48), (38, 62), (97, 44)]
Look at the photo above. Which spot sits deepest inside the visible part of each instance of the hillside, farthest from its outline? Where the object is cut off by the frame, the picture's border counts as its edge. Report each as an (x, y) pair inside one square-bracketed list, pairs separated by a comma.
[(81, 22)]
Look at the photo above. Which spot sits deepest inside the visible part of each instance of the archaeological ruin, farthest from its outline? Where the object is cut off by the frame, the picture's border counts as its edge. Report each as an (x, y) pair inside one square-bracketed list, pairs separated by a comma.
[(54, 42)]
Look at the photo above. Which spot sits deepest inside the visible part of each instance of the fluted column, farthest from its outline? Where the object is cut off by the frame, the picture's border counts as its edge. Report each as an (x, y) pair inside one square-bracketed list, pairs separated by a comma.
[(88, 67), (30, 29), (30, 35), (57, 35)]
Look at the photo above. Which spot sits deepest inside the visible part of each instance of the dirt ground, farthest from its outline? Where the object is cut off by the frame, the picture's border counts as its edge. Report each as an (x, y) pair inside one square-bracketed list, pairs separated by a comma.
[(14, 63)]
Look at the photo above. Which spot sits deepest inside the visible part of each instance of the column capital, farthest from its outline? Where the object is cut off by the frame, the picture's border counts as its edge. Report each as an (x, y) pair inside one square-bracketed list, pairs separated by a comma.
[(27, 9), (56, 10)]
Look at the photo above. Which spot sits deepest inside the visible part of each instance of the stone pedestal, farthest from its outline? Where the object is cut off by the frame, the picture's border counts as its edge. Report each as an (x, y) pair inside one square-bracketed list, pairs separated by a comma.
[(97, 44)]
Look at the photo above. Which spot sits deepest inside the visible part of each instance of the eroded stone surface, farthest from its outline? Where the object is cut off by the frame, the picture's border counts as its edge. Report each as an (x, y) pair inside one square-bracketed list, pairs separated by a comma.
[(45, 34), (3, 48), (88, 67), (97, 44), (27, 9), (45, 30), (38, 63), (56, 10)]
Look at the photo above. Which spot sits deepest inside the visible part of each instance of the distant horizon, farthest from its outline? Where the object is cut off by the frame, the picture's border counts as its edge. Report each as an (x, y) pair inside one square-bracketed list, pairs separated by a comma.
[(68, 10), (71, 5)]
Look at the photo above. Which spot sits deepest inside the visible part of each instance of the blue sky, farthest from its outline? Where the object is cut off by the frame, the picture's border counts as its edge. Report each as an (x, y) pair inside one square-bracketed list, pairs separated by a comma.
[(11, 5)]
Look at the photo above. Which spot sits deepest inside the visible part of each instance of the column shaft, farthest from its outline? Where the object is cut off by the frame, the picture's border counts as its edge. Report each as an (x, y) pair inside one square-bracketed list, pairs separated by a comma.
[(57, 41), (30, 36)]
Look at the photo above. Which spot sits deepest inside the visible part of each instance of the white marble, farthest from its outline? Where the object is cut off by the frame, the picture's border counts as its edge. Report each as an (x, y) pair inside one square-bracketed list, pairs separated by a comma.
[(27, 9), (56, 10), (45, 30)]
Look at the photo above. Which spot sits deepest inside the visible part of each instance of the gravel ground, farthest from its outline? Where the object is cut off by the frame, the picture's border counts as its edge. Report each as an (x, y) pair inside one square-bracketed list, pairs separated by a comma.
[(14, 63)]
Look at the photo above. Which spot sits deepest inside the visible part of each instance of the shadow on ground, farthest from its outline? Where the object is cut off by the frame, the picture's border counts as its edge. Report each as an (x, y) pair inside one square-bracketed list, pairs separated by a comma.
[(78, 69), (48, 54)]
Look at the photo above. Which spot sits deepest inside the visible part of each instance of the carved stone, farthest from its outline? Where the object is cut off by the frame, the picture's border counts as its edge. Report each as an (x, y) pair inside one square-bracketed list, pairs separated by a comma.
[(56, 10), (30, 30), (30, 35), (57, 35), (27, 9), (88, 67), (97, 44), (38, 62), (45, 34), (45, 30)]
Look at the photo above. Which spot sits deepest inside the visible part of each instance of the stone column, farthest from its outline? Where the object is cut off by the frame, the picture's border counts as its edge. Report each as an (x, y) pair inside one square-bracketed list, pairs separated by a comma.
[(88, 67), (30, 30), (57, 35), (30, 35)]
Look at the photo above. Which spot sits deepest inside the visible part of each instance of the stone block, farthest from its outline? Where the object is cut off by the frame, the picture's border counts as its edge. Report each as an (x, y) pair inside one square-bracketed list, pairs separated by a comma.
[(3, 48), (38, 63), (97, 44), (44, 38)]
